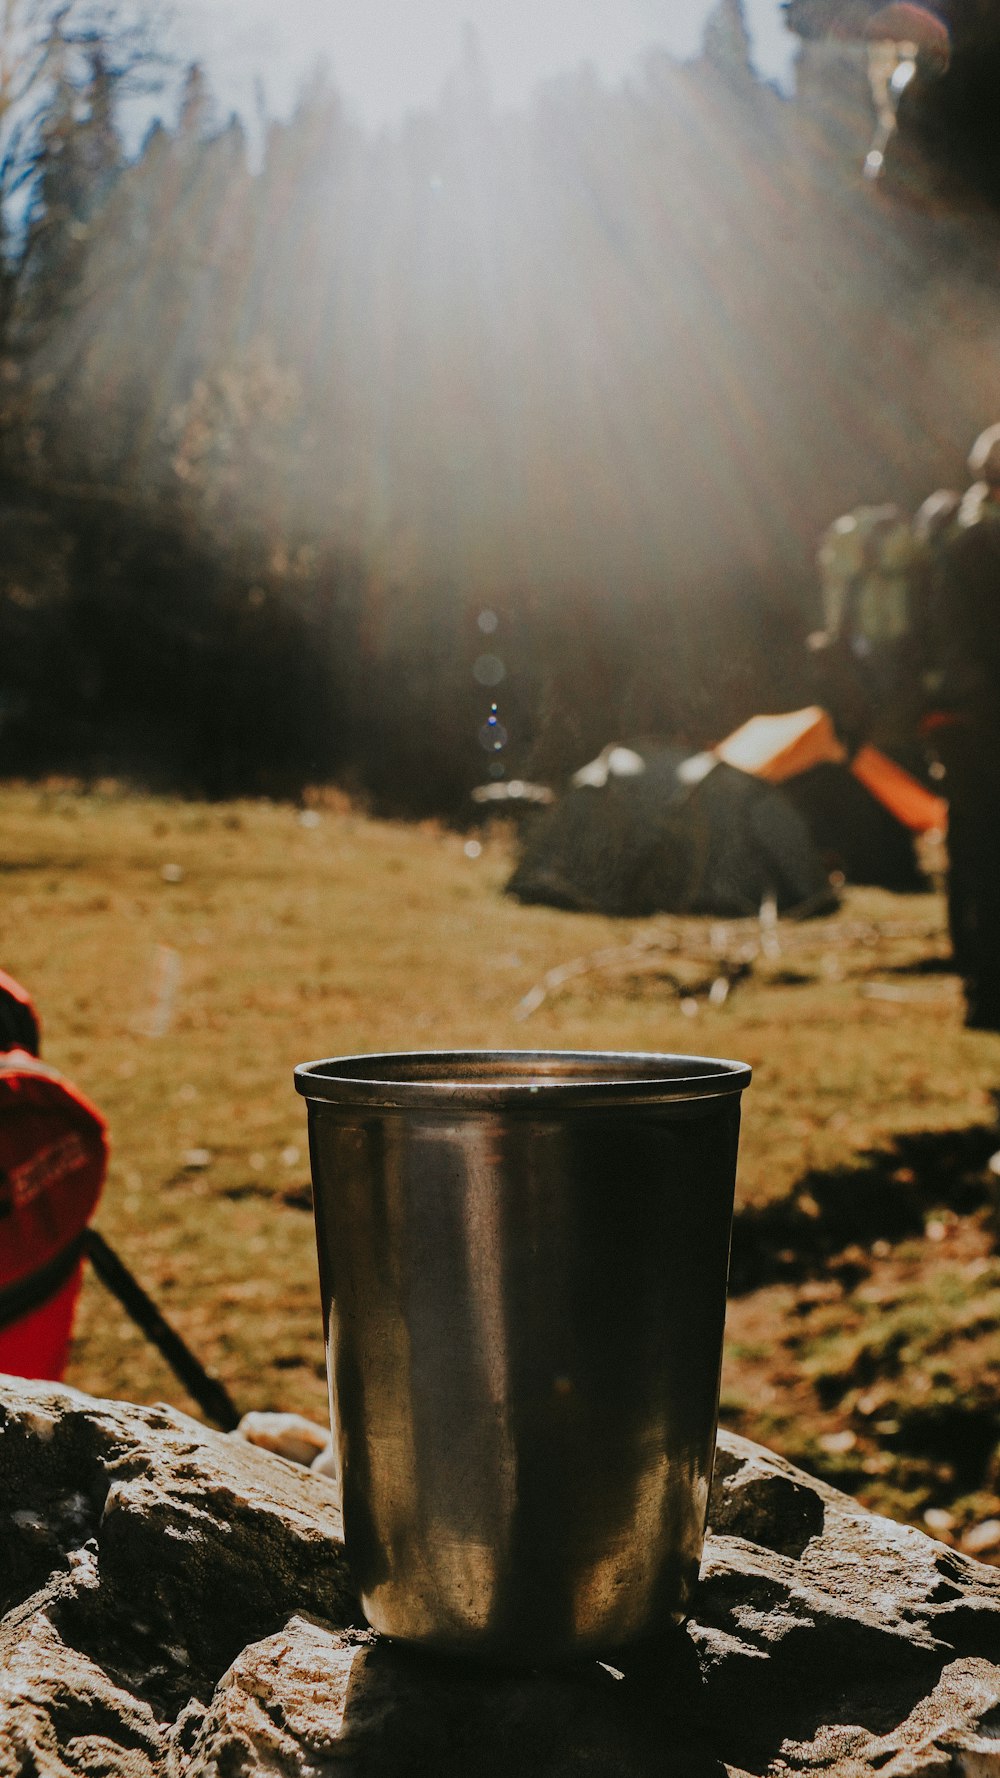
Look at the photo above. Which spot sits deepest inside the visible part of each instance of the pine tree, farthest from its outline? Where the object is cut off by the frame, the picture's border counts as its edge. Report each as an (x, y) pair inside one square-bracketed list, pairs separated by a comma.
[(58, 185), (726, 42), (100, 145), (78, 158), (195, 119), (64, 64)]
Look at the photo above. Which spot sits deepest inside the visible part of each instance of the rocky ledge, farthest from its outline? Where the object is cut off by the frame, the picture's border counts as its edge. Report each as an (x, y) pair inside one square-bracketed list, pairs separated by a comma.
[(176, 1602)]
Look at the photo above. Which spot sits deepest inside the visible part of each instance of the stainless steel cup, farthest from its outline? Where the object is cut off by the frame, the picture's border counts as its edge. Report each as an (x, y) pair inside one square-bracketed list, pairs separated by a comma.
[(523, 1261)]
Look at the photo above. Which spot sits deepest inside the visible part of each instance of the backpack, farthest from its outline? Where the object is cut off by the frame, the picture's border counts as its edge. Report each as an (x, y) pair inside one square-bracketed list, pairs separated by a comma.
[(53, 1157)]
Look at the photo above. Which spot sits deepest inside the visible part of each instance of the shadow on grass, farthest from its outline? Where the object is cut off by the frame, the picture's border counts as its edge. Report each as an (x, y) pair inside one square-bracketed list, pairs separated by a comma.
[(14, 866), (922, 966), (885, 1196), (960, 1434), (296, 1197)]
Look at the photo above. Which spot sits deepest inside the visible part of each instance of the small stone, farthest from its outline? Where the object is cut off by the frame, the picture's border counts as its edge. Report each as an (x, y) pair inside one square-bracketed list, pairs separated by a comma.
[(287, 1435), (327, 1463), (25, 1520), (980, 1538), (837, 1444)]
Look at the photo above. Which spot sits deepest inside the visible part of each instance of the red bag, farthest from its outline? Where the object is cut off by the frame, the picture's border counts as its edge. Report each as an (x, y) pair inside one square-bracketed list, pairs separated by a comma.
[(53, 1157)]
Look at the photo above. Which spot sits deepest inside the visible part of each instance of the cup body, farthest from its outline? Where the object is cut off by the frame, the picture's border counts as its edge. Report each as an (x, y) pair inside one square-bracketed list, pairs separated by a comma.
[(523, 1263)]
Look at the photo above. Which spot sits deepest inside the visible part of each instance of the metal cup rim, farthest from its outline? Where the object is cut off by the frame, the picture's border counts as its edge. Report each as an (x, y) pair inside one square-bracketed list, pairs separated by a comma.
[(508, 1079)]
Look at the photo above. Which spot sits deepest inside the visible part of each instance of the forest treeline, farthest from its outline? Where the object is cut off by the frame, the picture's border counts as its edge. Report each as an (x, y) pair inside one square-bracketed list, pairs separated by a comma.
[(312, 453)]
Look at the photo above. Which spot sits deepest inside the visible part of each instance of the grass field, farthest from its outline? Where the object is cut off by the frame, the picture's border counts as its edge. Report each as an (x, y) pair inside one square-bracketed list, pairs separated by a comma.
[(184, 957)]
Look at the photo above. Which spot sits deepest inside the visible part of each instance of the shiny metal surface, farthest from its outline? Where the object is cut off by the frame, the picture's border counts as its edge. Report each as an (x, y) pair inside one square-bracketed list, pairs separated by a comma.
[(523, 1263)]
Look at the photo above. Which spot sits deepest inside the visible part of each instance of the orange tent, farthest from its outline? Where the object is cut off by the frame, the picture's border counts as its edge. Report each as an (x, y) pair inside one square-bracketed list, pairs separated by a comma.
[(780, 747)]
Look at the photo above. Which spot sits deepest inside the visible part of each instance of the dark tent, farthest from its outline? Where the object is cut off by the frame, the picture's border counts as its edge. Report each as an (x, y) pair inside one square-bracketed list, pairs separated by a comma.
[(853, 832), (664, 839)]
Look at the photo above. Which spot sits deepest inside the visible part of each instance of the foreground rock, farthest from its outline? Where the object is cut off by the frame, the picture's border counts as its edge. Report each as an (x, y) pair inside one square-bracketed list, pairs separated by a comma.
[(176, 1602)]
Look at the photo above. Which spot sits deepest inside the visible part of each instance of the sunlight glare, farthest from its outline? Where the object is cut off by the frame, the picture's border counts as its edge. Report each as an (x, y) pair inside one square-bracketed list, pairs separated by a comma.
[(391, 56)]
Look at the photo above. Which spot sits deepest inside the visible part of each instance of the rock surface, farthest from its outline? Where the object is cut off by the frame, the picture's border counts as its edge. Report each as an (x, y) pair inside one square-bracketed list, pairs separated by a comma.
[(176, 1603)]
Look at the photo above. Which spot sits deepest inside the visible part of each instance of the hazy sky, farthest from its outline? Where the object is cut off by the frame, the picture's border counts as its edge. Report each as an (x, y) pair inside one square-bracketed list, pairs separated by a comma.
[(389, 55)]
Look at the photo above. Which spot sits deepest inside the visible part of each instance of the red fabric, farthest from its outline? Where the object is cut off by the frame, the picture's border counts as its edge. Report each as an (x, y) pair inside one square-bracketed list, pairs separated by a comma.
[(939, 719), (38, 1344), (53, 1156)]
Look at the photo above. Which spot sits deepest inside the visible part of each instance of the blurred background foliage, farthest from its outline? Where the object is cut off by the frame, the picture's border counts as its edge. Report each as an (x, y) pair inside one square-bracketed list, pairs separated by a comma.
[(278, 426)]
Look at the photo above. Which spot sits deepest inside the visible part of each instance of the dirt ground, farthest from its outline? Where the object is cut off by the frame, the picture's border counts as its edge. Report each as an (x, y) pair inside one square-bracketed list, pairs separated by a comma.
[(185, 957)]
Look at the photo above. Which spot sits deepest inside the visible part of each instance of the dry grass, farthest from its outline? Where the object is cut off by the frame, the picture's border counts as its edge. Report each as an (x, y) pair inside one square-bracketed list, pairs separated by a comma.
[(184, 957)]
